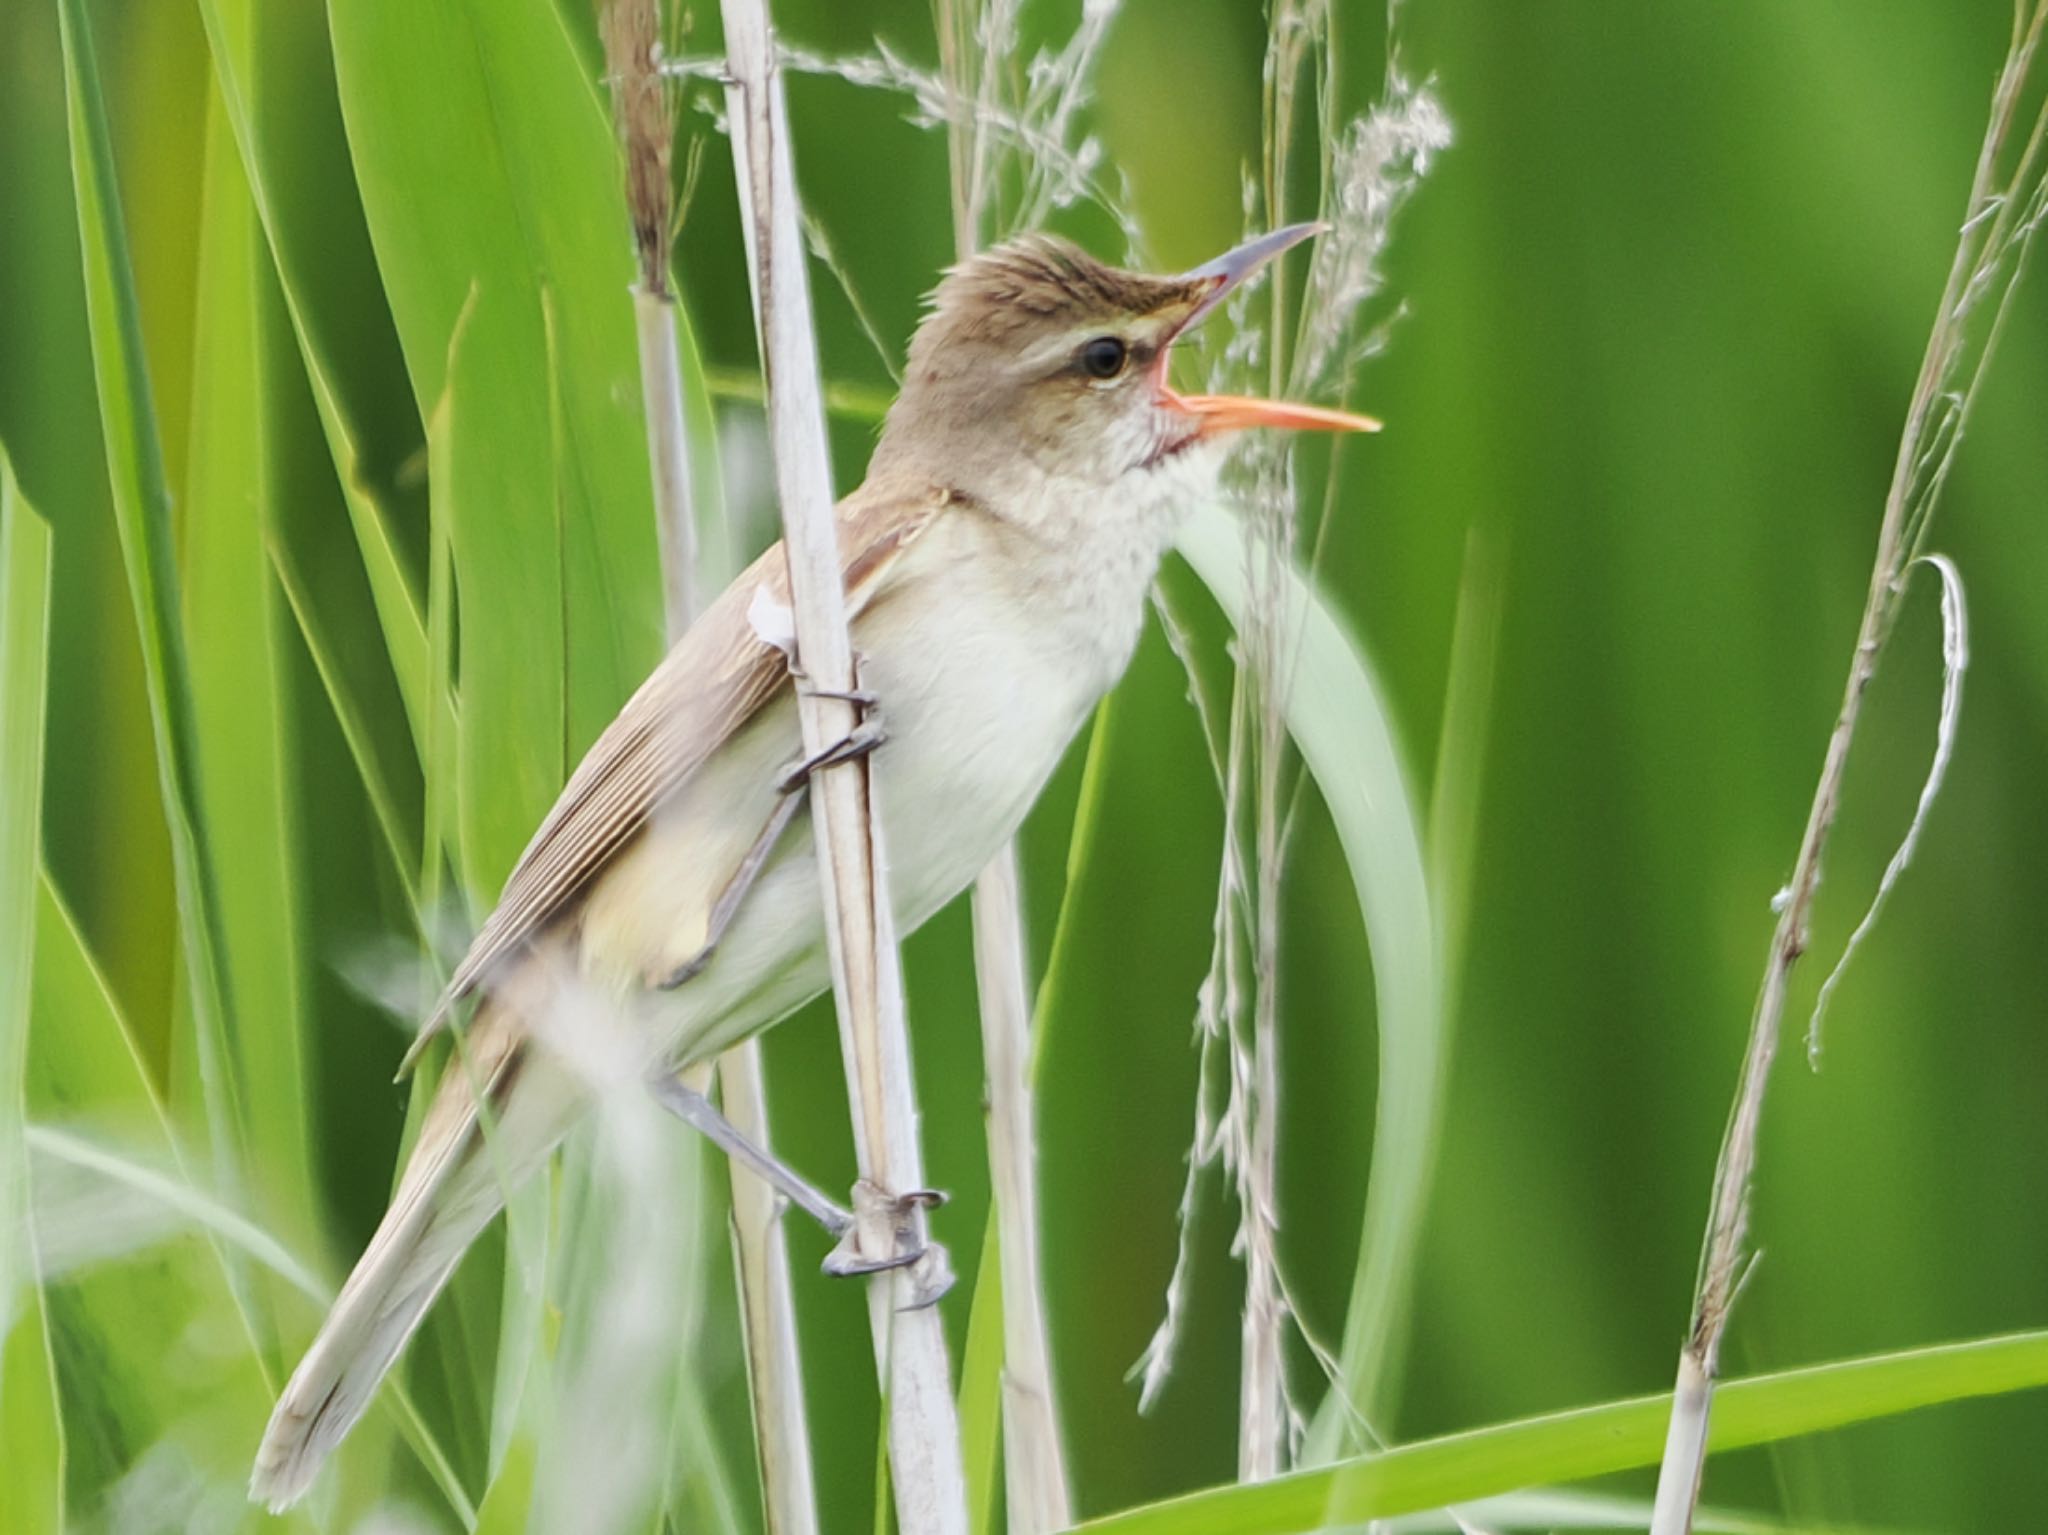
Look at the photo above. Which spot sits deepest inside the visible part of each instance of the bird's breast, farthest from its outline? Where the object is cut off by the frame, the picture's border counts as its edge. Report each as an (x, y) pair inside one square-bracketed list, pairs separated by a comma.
[(979, 691), (984, 663)]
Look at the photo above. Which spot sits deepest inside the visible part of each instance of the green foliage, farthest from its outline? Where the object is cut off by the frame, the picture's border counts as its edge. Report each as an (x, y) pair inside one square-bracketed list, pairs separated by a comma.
[(321, 378), (1462, 1468), (1335, 714), (31, 1425)]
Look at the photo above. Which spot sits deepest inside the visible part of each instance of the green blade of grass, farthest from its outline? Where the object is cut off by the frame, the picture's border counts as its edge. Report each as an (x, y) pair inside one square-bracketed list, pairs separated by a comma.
[(981, 1384), (231, 618), (165, 1189), (486, 164), (438, 770), (506, 1506), (1334, 711), (389, 784), (31, 1423), (276, 81), (86, 1065), (142, 516), (1082, 843), (503, 536), (200, 1363), (1595, 1441), (1461, 752), (350, 579), (1550, 1513)]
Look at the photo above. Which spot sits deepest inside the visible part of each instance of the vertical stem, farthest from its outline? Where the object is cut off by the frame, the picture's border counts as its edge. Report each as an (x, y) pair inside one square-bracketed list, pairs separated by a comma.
[(960, 135), (1034, 1462), (1986, 244), (910, 1342), (761, 1254), (1262, 1387), (661, 389), (760, 1245)]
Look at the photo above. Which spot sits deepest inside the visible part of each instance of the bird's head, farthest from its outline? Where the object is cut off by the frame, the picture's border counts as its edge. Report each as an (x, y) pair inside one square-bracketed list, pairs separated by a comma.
[(1037, 359)]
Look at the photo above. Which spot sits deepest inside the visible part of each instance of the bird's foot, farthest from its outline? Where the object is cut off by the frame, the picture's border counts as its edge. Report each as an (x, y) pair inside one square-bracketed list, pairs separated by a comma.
[(865, 736), (857, 742), (883, 1236), (860, 698), (857, 694)]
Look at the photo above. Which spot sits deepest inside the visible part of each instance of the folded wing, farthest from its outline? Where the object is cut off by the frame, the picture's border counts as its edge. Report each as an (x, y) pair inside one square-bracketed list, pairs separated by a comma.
[(714, 680)]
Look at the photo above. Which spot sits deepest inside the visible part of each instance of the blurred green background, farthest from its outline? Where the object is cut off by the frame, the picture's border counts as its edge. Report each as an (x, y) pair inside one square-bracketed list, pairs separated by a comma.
[(1665, 298)]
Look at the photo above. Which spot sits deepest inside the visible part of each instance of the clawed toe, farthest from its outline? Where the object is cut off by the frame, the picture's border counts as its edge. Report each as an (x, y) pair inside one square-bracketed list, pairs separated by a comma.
[(875, 1206), (863, 738)]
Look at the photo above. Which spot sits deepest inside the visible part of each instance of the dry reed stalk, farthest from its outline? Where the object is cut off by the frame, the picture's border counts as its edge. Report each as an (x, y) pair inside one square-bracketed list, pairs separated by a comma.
[(1034, 1461), (645, 112), (1370, 164), (910, 1342), (775, 1372), (2001, 218), (1265, 1413)]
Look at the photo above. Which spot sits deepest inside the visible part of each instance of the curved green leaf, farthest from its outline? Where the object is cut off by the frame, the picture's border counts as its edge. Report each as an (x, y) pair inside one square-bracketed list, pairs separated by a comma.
[(1334, 711), (487, 166), (276, 82), (142, 515), (233, 638), (31, 1425), (1594, 1441)]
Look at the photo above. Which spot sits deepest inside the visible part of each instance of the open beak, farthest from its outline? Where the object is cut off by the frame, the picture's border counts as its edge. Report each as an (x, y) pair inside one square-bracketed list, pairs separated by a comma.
[(1235, 412), (1230, 412)]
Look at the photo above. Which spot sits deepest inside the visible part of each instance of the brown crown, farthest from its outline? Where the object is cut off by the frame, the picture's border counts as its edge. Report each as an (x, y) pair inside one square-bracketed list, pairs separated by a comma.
[(1024, 283)]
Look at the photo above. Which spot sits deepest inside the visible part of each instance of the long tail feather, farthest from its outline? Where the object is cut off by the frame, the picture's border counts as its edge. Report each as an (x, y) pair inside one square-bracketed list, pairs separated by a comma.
[(454, 1183)]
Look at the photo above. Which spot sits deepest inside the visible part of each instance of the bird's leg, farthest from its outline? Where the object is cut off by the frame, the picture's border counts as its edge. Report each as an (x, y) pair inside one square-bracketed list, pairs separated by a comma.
[(865, 736), (887, 1219), (850, 1258), (701, 1115), (790, 783), (736, 888)]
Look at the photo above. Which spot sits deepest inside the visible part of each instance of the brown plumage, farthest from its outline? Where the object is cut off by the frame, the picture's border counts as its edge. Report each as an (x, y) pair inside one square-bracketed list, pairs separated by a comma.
[(711, 683), (995, 564), (1018, 286)]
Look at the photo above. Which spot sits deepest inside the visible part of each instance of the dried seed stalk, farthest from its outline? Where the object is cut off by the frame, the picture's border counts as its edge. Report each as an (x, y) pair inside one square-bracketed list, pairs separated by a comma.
[(2002, 216)]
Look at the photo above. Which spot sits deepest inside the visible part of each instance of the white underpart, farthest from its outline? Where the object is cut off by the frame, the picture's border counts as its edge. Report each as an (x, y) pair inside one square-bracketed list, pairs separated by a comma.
[(978, 696)]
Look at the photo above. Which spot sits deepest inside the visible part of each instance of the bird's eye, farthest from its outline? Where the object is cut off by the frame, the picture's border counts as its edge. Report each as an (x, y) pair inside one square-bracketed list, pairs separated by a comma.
[(1104, 357)]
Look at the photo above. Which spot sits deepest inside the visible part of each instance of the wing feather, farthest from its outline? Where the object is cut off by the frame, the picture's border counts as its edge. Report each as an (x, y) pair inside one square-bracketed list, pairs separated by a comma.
[(715, 679)]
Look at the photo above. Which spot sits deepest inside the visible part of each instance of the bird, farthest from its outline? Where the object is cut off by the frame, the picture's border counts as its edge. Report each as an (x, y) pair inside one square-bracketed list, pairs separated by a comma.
[(1028, 480)]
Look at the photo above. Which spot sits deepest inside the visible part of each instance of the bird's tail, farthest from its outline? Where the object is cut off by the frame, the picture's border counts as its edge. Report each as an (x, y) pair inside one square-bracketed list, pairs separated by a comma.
[(460, 1170)]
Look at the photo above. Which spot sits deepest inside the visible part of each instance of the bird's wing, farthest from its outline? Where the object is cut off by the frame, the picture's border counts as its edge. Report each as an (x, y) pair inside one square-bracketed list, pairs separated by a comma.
[(715, 679)]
